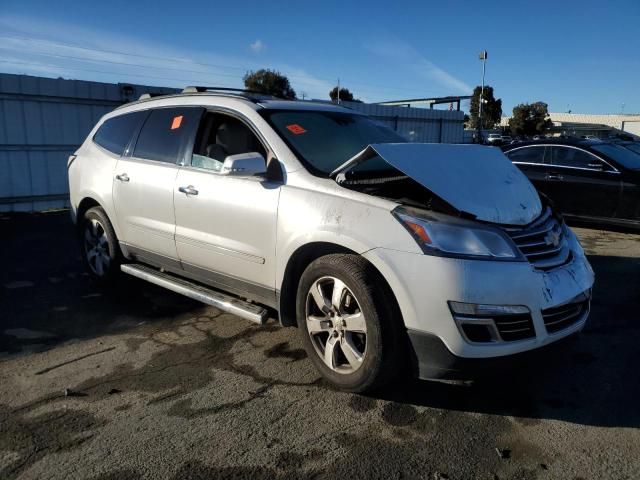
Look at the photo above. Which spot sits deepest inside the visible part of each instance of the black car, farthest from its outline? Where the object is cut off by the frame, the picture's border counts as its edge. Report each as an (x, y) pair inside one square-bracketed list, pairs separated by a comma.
[(590, 180)]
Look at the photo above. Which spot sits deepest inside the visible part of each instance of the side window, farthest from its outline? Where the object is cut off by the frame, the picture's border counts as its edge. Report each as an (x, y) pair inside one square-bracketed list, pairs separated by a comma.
[(527, 155), (572, 157), (166, 133), (115, 133), (218, 137)]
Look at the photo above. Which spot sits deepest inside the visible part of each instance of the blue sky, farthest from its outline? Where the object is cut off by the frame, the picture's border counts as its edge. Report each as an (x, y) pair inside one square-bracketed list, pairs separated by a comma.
[(577, 55)]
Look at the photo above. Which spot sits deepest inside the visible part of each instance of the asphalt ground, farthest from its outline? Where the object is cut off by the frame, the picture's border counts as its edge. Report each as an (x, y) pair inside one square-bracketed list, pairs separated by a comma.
[(138, 382)]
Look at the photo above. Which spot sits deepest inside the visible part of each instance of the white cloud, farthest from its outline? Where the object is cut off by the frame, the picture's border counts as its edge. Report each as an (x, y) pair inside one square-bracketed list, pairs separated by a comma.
[(303, 81), (45, 48), (408, 57), (257, 46)]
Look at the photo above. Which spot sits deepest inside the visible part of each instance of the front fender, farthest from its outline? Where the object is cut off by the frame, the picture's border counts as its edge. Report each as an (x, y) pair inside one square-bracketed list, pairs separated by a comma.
[(306, 217)]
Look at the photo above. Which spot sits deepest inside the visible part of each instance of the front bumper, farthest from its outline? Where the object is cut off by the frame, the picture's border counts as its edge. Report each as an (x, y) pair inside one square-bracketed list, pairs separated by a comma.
[(431, 359), (424, 284)]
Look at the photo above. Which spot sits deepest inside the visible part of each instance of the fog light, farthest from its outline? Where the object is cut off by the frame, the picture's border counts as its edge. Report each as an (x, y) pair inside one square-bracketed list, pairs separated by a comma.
[(481, 323), (482, 310)]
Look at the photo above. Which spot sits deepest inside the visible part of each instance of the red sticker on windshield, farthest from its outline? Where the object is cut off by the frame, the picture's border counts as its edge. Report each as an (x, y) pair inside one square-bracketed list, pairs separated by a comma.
[(177, 121), (296, 129)]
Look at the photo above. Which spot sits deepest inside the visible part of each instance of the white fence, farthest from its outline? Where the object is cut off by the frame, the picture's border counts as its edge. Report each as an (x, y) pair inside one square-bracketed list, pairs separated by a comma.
[(42, 122), (417, 124)]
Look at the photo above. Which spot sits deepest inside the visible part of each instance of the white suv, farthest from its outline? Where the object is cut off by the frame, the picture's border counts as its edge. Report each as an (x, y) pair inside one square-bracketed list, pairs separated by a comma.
[(388, 256)]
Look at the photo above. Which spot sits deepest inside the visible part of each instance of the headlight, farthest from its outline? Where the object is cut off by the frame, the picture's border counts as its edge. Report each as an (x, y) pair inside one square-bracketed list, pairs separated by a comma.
[(439, 234)]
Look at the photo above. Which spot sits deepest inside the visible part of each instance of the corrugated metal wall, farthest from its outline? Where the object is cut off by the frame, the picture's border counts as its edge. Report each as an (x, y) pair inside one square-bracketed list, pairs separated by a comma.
[(417, 124), (43, 120)]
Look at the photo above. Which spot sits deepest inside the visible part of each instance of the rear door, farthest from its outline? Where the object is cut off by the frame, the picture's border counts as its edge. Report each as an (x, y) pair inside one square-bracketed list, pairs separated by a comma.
[(144, 181), (626, 158), (531, 160), (582, 184)]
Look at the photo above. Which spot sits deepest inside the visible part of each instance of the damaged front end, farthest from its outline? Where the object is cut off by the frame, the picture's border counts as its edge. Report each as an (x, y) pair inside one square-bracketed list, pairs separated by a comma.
[(475, 181), (464, 201)]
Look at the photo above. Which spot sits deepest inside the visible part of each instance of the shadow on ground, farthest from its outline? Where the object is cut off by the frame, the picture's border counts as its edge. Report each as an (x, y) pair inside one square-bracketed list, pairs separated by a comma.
[(45, 291), (592, 381)]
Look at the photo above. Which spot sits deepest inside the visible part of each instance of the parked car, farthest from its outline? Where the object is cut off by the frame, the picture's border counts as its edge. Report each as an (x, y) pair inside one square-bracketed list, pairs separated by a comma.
[(588, 180), (494, 139), (506, 139), (390, 257)]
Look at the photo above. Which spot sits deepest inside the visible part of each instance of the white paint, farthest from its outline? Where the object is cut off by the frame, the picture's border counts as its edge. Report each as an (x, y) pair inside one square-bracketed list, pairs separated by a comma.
[(472, 178), (272, 222)]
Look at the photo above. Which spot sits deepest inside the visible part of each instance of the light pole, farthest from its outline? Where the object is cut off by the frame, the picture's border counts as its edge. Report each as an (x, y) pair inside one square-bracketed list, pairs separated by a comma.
[(483, 56)]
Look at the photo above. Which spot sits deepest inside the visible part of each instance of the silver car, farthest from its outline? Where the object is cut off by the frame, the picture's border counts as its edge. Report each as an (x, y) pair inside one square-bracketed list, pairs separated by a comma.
[(390, 257)]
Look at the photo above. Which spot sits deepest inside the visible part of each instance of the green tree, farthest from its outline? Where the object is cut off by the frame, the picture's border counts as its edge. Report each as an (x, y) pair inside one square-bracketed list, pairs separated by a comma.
[(345, 95), (491, 108), (530, 118), (269, 82)]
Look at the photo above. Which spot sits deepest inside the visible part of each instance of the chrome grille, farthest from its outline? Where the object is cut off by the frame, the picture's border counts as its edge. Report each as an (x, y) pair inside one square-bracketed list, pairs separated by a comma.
[(542, 242), (563, 316)]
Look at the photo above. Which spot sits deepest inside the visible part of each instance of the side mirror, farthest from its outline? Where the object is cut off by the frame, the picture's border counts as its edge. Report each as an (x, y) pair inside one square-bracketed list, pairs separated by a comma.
[(250, 164)]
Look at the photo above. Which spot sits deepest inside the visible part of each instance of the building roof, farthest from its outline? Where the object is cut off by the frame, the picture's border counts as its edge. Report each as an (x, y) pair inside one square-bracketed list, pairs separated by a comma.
[(610, 120)]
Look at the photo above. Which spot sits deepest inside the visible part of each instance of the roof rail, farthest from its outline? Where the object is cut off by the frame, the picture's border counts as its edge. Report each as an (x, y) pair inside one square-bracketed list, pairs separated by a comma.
[(146, 96), (200, 89), (252, 95)]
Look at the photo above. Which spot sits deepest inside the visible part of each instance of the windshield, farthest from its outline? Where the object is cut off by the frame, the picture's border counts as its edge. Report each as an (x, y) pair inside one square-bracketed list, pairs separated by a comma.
[(324, 140), (624, 156)]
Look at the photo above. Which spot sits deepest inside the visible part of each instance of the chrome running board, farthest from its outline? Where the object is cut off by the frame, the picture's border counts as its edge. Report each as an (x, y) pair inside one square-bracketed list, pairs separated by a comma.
[(227, 303)]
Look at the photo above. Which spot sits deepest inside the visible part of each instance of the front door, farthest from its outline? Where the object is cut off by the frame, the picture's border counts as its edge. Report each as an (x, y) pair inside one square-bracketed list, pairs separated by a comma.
[(143, 186), (530, 160), (226, 226)]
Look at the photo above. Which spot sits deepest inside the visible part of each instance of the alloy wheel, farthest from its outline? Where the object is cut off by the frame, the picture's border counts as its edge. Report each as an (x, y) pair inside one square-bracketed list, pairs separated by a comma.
[(96, 247), (336, 325)]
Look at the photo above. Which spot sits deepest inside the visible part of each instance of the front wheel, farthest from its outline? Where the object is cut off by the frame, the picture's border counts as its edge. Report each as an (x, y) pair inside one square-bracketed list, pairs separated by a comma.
[(350, 323), (99, 246)]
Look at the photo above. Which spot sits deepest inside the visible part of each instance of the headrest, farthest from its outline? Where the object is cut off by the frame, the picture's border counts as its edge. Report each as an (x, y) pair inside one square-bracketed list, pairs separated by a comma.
[(235, 138)]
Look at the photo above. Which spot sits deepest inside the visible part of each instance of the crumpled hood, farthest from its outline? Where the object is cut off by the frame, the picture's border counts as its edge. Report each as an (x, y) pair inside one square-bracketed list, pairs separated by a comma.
[(474, 179)]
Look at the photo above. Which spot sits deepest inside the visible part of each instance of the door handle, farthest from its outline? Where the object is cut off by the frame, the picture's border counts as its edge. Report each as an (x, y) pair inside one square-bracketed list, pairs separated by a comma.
[(190, 190), (554, 176), (123, 177)]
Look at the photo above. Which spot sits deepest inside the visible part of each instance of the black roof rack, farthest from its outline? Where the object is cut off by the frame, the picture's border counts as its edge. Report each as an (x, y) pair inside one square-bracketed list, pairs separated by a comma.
[(251, 94)]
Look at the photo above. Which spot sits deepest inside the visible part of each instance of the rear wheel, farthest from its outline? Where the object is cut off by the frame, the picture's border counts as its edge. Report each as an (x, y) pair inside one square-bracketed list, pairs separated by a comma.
[(99, 245), (349, 322)]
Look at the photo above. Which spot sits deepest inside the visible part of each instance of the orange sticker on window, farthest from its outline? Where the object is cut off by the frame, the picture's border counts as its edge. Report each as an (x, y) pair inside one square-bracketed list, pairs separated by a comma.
[(295, 129), (177, 121)]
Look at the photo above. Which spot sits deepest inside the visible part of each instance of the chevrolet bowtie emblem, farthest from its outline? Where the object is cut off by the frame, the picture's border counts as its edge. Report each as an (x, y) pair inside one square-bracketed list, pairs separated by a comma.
[(552, 238)]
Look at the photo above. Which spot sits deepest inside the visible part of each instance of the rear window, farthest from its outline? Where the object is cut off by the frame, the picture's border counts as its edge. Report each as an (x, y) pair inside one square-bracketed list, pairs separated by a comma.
[(624, 156), (166, 133), (527, 155), (115, 133)]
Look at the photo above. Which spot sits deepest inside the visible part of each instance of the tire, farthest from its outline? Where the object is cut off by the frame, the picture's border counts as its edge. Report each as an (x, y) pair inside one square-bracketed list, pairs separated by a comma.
[(355, 339), (99, 246)]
